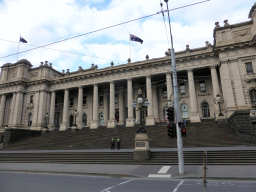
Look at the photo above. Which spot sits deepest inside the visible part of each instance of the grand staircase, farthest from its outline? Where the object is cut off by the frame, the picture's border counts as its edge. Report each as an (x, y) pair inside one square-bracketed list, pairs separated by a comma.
[(204, 134)]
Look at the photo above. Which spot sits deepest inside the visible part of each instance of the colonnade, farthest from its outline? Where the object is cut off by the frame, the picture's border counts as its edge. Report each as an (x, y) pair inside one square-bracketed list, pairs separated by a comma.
[(40, 97)]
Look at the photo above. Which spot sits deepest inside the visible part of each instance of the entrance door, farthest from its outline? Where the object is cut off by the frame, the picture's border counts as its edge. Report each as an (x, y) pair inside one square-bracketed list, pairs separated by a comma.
[(205, 109), (57, 120), (184, 111), (85, 120), (101, 119), (71, 120)]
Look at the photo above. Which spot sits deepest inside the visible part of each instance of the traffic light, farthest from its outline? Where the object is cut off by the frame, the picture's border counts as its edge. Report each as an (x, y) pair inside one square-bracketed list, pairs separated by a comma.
[(171, 128), (183, 132), (170, 114)]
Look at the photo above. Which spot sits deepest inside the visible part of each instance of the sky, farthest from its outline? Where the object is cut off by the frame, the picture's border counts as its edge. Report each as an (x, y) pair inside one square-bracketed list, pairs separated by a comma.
[(43, 22)]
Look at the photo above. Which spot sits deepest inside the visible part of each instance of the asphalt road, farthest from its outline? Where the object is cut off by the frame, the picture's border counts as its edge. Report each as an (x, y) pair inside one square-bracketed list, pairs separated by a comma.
[(38, 182)]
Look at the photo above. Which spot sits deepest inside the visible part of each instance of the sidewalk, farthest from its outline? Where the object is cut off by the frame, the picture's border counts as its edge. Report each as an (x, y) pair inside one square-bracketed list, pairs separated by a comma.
[(140, 171)]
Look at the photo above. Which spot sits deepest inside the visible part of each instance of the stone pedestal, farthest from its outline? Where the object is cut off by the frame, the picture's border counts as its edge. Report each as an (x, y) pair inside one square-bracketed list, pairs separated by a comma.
[(141, 151), (111, 123), (94, 125), (129, 122)]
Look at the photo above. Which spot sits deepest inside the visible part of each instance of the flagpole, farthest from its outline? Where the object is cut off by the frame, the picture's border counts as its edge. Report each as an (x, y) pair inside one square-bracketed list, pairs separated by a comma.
[(18, 49), (130, 45)]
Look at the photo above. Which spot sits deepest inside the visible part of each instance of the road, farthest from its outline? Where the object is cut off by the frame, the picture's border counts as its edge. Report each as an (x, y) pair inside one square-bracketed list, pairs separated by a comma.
[(44, 182)]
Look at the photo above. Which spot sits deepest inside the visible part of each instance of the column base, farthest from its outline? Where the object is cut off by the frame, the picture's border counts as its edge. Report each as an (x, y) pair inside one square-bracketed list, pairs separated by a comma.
[(111, 123), (51, 127), (150, 121), (94, 125), (129, 122), (195, 118), (64, 127)]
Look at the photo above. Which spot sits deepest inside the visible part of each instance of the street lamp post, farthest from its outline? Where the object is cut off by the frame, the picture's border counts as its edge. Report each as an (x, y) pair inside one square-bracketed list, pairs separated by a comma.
[(142, 105), (219, 100), (46, 120), (75, 114)]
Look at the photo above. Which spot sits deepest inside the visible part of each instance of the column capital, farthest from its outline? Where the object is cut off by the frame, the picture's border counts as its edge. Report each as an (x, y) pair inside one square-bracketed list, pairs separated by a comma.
[(168, 73), (190, 70), (129, 78), (154, 84), (212, 67), (148, 76), (95, 84), (80, 87)]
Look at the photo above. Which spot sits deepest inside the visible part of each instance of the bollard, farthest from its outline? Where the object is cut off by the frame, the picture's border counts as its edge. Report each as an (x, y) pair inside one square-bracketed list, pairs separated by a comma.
[(205, 167)]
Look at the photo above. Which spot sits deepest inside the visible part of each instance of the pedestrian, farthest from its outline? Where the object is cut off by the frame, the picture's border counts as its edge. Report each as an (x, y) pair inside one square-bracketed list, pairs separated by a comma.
[(118, 141), (112, 143), (184, 122)]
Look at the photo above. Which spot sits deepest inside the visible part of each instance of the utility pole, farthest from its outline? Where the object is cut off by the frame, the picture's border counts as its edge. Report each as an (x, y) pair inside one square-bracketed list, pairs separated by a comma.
[(176, 102)]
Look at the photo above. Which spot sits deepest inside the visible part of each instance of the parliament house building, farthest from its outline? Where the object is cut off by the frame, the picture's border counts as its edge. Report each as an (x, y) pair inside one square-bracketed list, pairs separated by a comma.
[(33, 97)]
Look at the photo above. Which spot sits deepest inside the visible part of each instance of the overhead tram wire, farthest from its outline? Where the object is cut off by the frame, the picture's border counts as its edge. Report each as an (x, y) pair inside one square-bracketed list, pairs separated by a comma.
[(63, 51), (105, 28), (161, 4)]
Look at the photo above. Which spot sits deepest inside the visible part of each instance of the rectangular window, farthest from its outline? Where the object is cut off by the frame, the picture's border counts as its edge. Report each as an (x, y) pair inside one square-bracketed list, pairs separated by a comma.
[(164, 91), (116, 99), (202, 86), (101, 101), (182, 88), (84, 100), (71, 103), (249, 68)]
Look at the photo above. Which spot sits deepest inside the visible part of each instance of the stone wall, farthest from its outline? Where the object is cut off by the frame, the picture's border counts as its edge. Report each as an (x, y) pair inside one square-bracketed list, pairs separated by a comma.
[(241, 122)]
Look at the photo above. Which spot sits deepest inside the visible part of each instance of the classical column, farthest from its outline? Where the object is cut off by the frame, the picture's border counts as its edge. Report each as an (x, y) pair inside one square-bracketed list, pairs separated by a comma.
[(130, 119), (17, 113), (169, 87), (227, 89), (95, 115), (121, 106), (238, 84), (150, 120), (155, 103), (106, 109), (52, 111), (194, 114), (80, 108), (2, 107), (10, 122), (136, 89), (42, 110), (35, 112), (64, 126), (215, 87), (112, 120)]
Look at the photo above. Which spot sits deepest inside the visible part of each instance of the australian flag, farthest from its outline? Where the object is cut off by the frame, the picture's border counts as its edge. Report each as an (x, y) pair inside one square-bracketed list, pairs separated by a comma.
[(22, 40), (134, 38)]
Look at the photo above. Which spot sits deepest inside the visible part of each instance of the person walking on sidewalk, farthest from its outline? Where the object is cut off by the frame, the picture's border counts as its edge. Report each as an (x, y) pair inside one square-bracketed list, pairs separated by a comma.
[(112, 143), (118, 140)]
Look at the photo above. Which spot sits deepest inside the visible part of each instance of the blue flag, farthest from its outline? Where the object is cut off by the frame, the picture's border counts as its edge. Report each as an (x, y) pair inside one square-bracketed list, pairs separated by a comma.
[(22, 40), (135, 38)]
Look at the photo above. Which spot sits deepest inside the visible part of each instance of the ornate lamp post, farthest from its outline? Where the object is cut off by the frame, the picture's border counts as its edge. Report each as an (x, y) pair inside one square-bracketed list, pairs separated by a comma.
[(219, 100), (142, 104), (46, 120), (75, 114)]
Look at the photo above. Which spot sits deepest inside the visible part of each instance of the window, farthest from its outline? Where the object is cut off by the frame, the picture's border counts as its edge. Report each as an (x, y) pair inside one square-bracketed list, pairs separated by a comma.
[(249, 68), (84, 100), (71, 103), (101, 101), (182, 88), (31, 98), (253, 98), (202, 86), (164, 91), (116, 99)]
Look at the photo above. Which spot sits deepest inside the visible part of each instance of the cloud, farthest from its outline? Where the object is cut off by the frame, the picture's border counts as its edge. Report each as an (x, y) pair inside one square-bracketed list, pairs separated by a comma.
[(44, 22)]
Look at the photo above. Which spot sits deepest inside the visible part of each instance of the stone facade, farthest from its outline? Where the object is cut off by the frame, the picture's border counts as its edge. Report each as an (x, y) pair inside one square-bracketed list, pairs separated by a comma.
[(103, 97)]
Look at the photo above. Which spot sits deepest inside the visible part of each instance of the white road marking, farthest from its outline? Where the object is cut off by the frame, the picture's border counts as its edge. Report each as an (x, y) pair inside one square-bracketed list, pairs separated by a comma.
[(178, 186), (159, 175), (117, 185), (164, 169)]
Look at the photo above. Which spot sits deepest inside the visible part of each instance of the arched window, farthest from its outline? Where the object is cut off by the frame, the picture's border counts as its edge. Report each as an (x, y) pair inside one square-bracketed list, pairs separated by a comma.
[(184, 111), (205, 109), (85, 120), (71, 120), (30, 119), (253, 98)]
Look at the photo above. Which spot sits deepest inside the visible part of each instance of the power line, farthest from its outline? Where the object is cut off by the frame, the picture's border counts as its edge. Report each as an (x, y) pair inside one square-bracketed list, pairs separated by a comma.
[(63, 51), (105, 28)]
